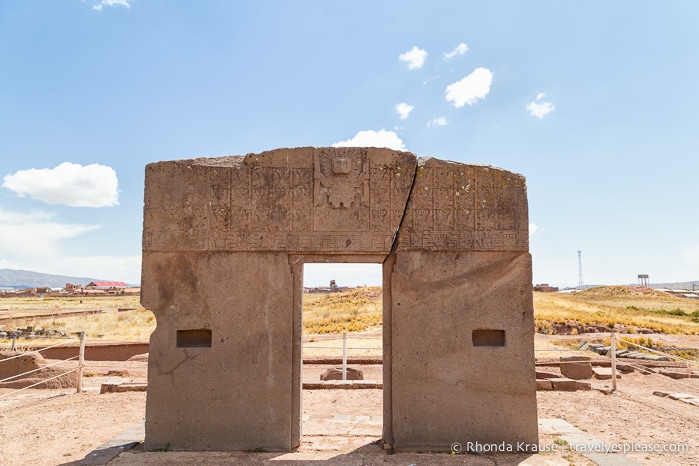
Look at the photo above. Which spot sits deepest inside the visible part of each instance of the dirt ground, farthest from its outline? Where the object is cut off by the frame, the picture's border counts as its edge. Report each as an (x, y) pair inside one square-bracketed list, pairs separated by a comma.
[(50, 427)]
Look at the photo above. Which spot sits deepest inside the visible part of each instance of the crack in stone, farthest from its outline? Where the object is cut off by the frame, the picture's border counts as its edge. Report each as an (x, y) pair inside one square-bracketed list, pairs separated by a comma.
[(394, 240)]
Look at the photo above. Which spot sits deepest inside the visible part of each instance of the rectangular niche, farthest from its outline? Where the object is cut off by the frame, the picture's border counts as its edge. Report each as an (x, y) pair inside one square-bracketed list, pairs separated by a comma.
[(195, 338), (488, 337)]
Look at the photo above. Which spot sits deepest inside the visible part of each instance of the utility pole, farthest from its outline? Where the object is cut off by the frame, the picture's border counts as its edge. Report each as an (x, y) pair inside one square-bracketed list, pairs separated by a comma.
[(580, 275)]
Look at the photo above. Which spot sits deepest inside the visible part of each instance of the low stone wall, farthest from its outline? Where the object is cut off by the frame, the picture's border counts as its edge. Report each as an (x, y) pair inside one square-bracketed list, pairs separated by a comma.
[(99, 351)]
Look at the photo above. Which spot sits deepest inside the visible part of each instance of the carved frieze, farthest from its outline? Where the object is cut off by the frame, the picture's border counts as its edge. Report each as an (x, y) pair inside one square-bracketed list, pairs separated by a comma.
[(299, 200), (456, 206), (332, 200)]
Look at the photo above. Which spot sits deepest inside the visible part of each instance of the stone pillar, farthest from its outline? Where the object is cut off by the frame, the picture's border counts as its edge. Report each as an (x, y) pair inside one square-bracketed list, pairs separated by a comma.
[(462, 353), (220, 366), (460, 316)]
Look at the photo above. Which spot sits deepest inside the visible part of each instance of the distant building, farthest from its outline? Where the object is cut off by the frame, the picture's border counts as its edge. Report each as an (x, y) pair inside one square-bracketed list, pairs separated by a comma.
[(109, 288), (73, 288), (105, 285), (333, 288), (545, 288)]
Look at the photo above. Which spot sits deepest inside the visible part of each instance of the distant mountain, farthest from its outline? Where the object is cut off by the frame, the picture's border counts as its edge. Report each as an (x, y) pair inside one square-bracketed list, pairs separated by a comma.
[(693, 285), (20, 279)]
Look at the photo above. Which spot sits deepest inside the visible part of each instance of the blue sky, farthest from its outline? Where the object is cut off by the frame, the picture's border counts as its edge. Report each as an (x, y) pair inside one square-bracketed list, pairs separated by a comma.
[(595, 102)]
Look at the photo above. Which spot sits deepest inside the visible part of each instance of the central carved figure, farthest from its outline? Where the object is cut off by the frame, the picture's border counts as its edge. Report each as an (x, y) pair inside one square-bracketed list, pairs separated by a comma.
[(341, 180)]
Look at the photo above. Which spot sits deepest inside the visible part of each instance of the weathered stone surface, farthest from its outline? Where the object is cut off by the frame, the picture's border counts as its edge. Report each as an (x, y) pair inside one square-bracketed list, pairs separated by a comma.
[(435, 361), (123, 387), (564, 384), (346, 200), (462, 207), (235, 393), (546, 375), (343, 384), (583, 385), (542, 384), (674, 374), (604, 373), (624, 368), (224, 244), (576, 367), (335, 373)]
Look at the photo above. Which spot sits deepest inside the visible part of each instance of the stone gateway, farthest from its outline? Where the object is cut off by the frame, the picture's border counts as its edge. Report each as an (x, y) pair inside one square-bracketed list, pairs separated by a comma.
[(224, 243)]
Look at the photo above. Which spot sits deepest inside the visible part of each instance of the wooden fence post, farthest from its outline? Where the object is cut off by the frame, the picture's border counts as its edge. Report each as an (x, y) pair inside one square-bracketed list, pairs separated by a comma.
[(81, 362), (613, 353)]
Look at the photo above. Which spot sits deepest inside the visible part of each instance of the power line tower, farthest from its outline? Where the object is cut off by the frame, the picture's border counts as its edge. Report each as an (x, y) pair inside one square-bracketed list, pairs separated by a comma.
[(580, 275)]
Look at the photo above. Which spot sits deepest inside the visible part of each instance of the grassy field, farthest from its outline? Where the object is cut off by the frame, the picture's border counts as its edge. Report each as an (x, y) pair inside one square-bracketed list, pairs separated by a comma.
[(361, 309), (123, 318), (634, 308), (350, 311)]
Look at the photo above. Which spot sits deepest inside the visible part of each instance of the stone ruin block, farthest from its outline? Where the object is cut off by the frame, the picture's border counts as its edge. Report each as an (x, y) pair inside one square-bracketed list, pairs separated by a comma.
[(576, 367), (224, 243), (335, 373)]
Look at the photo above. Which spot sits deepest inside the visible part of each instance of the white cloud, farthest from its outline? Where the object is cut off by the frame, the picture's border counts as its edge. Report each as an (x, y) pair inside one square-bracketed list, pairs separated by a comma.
[(36, 241), (533, 229), (540, 109), (473, 87), (414, 57), (67, 184), (404, 110), (99, 6), (35, 234), (458, 50), (430, 78), (371, 138), (118, 268), (439, 121)]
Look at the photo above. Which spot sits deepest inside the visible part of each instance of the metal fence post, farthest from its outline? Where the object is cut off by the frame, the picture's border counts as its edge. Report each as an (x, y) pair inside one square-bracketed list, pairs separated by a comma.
[(81, 362)]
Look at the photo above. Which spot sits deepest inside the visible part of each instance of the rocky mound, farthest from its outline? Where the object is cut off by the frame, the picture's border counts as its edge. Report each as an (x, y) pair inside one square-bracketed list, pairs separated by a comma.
[(25, 369), (607, 292)]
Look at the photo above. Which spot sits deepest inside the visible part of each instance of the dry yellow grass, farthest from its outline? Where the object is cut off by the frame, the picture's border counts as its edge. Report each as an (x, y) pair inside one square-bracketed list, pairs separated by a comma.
[(48, 305), (349, 311), (134, 324), (360, 309), (612, 305)]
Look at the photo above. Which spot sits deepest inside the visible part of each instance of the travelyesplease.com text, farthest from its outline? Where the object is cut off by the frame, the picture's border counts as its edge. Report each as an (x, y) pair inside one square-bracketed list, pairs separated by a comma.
[(523, 447)]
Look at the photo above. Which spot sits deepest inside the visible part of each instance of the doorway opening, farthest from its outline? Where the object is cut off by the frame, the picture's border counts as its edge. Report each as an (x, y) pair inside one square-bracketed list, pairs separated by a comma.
[(342, 345)]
